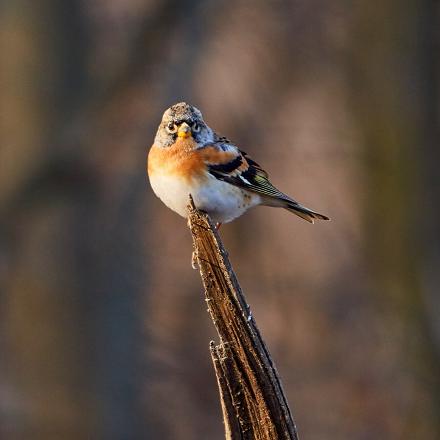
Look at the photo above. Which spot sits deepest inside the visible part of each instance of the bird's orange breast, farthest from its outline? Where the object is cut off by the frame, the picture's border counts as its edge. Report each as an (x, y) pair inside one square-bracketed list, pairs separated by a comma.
[(177, 160), (183, 160)]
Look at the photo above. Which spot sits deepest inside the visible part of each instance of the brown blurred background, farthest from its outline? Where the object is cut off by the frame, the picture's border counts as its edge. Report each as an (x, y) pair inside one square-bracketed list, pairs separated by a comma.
[(103, 327)]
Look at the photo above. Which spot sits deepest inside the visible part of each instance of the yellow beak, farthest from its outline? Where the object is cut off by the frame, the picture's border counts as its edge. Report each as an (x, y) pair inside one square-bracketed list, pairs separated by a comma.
[(184, 131)]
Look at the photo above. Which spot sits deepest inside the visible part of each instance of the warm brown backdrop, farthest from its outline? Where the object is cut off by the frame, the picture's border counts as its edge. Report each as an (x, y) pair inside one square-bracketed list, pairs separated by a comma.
[(103, 328)]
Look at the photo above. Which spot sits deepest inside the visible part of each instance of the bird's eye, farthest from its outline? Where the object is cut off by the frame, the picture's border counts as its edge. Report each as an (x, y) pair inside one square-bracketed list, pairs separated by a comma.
[(195, 127), (172, 128)]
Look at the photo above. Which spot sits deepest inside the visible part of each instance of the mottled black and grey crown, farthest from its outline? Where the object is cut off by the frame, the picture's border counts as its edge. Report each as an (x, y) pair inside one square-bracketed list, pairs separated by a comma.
[(183, 112), (177, 114)]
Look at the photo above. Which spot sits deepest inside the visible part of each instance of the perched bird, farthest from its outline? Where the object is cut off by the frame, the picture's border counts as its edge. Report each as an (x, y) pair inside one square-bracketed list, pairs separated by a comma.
[(188, 157)]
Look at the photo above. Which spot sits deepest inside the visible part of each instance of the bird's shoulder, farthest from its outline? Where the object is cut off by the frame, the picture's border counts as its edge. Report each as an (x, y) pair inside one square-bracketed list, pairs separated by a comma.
[(223, 156)]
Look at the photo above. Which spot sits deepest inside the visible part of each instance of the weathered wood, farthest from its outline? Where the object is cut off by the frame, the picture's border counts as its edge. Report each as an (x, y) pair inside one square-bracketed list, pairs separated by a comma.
[(253, 402)]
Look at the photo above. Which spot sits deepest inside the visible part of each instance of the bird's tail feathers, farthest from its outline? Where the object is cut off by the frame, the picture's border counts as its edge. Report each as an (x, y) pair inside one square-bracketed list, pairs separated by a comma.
[(293, 206), (303, 212)]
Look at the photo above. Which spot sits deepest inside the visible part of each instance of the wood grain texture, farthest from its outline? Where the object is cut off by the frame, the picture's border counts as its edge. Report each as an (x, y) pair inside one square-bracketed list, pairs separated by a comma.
[(253, 402)]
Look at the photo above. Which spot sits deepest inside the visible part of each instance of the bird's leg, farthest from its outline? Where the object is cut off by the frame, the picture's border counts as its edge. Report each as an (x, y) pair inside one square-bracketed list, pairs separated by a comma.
[(217, 226)]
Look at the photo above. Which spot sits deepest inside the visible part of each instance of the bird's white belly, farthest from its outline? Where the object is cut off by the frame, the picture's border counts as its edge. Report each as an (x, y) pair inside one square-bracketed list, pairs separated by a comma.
[(222, 201)]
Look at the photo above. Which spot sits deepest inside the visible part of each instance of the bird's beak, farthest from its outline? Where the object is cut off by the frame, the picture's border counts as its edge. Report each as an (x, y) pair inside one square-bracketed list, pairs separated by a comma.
[(184, 131)]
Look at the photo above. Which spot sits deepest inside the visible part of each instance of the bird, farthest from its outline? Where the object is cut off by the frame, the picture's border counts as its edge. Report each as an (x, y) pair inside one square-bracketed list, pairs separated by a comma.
[(189, 158)]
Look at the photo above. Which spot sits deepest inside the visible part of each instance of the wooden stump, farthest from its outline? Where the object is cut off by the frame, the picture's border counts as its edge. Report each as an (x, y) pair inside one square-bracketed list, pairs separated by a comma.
[(252, 399)]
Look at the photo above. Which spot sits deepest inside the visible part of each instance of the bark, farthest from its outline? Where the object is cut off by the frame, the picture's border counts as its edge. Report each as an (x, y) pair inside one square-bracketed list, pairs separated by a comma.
[(253, 402)]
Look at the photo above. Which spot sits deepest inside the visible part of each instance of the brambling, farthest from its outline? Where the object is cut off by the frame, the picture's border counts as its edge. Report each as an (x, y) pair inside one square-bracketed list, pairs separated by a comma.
[(188, 157)]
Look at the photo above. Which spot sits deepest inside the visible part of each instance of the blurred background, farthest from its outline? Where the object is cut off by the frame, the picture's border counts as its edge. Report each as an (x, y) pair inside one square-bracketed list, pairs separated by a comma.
[(103, 326)]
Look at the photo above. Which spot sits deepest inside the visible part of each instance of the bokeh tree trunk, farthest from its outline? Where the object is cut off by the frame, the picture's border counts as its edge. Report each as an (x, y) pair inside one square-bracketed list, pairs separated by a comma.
[(394, 96)]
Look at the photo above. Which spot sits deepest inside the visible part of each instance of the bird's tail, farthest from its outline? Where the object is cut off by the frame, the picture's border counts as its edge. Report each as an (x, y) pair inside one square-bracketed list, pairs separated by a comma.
[(303, 212)]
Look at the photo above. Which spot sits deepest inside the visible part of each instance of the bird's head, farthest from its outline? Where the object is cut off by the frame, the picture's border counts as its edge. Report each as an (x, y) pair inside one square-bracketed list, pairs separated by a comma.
[(183, 121)]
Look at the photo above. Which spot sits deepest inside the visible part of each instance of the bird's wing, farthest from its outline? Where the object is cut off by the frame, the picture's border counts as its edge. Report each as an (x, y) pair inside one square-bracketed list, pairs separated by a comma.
[(229, 164), (226, 162)]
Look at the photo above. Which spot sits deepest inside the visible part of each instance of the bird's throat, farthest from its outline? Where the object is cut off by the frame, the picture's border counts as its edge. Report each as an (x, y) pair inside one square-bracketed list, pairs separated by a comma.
[(185, 144)]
